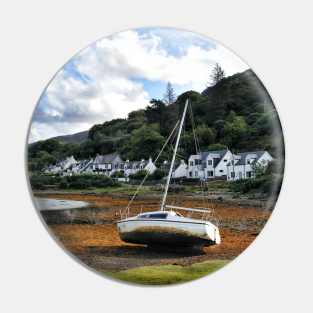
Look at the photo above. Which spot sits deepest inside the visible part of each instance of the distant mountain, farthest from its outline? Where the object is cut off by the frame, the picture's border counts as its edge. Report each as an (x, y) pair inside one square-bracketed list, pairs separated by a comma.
[(74, 138)]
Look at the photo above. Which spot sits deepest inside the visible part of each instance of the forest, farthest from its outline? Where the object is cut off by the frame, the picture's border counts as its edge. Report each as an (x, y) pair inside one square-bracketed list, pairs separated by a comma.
[(235, 112)]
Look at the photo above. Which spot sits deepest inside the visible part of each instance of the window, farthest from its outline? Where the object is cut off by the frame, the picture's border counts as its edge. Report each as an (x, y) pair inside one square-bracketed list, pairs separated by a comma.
[(232, 174), (144, 215), (250, 161), (210, 162), (197, 162), (190, 174), (210, 173), (221, 171), (225, 160), (196, 174), (158, 215), (154, 215), (116, 165), (191, 163), (248, 174)]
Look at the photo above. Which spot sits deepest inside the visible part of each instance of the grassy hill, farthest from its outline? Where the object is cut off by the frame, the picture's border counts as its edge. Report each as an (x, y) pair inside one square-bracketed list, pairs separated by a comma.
[(74, 138), (237, 113)]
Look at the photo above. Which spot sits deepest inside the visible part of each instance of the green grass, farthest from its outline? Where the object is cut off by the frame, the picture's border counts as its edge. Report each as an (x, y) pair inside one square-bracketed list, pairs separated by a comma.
[(122, 189), (218, 185), (168, 274)]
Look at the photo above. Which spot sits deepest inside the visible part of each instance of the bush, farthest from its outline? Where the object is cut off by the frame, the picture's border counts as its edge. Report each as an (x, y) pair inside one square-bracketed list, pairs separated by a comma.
[(176, 188), (139, 175), (186, 180), (41, 182), (267, 184), (63, 183), (118, 174), (157, 174), (246, 185)]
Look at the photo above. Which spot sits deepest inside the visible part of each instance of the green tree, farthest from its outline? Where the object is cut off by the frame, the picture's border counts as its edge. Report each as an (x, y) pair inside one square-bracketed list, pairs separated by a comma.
[(145, 142), (235, 130), (206, 135), (169, 96), (135, 120), (157, 113), (216, 146), (139, 175), (158, 174), (217, 74)]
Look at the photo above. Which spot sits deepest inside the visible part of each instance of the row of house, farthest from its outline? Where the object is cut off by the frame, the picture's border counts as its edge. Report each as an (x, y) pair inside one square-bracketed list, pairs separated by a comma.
[(102, 164), (225, 164), (220, 164)]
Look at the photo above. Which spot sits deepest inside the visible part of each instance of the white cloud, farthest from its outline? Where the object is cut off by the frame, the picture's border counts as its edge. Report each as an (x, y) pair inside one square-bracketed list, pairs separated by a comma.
[(100, 83)]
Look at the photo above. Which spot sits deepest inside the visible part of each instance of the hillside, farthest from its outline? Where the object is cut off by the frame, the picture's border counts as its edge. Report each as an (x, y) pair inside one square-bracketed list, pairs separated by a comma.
[(73, 138), (236, 113)]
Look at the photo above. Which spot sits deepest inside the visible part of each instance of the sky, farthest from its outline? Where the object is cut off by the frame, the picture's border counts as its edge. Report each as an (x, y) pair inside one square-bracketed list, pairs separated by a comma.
[(123, 72)]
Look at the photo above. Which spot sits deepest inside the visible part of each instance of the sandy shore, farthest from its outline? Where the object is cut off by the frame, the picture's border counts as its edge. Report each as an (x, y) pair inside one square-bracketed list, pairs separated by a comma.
[(90, 233)]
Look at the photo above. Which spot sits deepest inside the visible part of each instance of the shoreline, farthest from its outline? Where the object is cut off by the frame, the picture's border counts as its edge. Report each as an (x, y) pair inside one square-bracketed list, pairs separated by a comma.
[(90, 234), (220, 197)]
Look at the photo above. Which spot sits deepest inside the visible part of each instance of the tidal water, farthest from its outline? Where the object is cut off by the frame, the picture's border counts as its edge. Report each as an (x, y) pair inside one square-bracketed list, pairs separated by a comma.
[(43, 204)]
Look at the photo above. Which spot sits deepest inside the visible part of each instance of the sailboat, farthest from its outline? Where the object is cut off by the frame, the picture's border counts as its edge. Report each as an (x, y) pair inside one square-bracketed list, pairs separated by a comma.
[(166, 226)]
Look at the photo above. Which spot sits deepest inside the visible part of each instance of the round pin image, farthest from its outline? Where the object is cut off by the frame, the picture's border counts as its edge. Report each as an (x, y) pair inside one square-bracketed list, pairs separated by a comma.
[(155, 156)]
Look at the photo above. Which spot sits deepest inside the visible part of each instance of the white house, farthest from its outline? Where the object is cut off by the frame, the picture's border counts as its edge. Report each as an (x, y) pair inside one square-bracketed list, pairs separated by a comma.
[(105, 164), (209, 164), (132, 167), (243, 165), (150, 166), (111, 163), (81, 166), (61, 167), (181, 170)]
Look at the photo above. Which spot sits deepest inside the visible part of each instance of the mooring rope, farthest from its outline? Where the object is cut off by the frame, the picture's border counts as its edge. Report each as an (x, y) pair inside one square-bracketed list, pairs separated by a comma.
[(205, 200), (146, 176)]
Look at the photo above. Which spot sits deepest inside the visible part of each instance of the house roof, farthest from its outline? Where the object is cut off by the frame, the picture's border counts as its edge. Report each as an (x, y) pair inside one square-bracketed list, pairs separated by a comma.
[(241, 158), (166, 166), (216, 154), (82, 163), (136, 163), (107, 158), (220, 153)]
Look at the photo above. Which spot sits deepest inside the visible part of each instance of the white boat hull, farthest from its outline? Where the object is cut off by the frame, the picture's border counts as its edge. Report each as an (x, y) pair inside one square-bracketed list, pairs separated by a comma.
[(168, 232)]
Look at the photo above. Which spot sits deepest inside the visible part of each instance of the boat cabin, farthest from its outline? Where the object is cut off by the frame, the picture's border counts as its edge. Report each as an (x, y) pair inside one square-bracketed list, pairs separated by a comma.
[(159, 214)]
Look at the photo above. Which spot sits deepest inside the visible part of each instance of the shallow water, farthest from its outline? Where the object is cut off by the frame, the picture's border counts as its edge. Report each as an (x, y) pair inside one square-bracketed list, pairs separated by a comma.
[(43, 204)]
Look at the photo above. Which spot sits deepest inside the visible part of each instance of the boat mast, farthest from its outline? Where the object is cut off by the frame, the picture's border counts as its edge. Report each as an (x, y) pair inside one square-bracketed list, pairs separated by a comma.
[(174, 156)]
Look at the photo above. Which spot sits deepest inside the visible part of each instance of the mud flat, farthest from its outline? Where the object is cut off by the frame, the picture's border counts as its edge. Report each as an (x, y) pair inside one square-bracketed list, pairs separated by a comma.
[(90, 234)]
